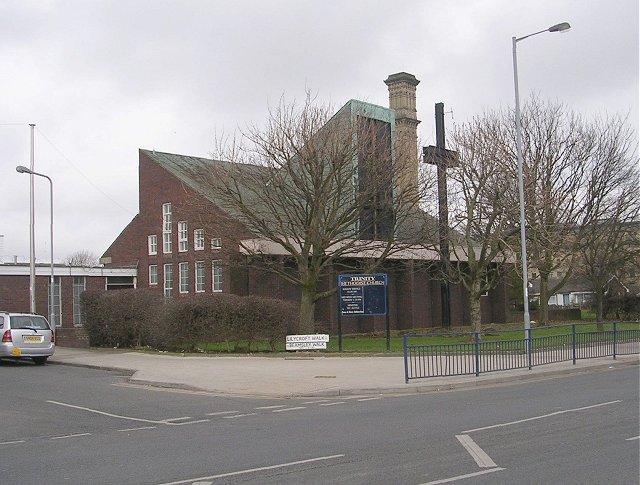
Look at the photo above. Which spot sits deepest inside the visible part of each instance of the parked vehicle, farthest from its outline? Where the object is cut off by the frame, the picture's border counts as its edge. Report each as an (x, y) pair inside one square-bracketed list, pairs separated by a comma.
[(26, 335)]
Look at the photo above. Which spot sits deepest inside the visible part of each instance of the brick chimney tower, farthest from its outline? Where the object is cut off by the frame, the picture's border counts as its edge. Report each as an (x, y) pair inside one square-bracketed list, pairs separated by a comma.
[(402, 99)]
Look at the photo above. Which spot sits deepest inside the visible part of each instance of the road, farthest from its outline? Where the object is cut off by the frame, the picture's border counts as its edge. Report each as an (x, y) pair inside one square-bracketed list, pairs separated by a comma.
[(63, 424)]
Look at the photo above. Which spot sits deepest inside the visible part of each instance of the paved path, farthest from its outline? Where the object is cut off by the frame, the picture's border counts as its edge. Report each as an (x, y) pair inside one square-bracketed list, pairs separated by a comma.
[(297, 375)]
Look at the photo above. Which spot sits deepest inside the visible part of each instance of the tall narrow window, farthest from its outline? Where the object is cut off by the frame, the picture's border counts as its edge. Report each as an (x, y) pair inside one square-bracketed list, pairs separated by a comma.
[(183, 269), (55, 304), (216, 243), (79, 285), (198, 239), (152, 242), (183, 237), (199, 276), (166, 227), (216, 274), (168, 280), (153, 274)]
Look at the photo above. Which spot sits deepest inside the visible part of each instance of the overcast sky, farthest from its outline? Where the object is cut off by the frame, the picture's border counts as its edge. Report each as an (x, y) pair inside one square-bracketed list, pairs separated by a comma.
[(101, 79)]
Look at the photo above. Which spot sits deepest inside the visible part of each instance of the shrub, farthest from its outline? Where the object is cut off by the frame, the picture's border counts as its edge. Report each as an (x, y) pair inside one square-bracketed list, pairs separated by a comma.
[(271, 319), (123, 318), (625, 307), (135, 318)]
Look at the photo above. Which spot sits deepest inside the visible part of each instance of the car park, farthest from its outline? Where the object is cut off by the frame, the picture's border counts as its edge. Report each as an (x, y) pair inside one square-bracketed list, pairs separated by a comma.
[(26, 336)]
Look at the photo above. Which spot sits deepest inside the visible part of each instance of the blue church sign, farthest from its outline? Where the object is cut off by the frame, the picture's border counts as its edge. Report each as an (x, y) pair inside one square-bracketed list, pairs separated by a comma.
[(362, 294)]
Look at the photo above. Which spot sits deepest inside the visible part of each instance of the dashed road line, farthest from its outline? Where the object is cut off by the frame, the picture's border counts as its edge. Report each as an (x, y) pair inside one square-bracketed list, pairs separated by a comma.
[(220, 413), (15, 442), (369, 399), (332, 403), (633, 438), (462, 477), (239, 416), (77, 435), (271, 407), (141, 428), (316, 402), (284, 410)]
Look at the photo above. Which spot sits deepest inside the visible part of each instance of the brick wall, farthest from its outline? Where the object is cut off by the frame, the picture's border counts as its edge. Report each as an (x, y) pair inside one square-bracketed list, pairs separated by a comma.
[(15, 297), (414, 295), (156, 187)]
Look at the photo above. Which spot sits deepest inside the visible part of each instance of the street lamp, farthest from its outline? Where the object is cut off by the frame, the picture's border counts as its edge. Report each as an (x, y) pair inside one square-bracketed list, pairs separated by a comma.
[(523, 241), (22, 169)]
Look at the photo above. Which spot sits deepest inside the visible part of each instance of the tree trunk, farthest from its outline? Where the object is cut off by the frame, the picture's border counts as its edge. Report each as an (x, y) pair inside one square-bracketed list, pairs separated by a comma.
[(544, 299), (599, 308), (474, 302), (307, 312)]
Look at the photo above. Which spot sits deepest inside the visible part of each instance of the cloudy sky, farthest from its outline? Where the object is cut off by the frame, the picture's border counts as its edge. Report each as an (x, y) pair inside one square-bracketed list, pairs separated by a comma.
[(102, 78)]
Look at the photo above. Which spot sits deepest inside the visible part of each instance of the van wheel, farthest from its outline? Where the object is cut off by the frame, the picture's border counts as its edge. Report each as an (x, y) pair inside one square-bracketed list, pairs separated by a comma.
[(39, 360)]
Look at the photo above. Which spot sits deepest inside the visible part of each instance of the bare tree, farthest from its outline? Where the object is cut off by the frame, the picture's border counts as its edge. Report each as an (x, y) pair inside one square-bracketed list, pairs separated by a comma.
[(311, 190), (556, 144), (481, 216), (578, 174), (82, 258), (610, 230)]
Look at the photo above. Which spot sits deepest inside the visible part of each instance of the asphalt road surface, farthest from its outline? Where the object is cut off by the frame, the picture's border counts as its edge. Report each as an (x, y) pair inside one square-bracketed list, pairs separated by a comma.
[(71, 425)]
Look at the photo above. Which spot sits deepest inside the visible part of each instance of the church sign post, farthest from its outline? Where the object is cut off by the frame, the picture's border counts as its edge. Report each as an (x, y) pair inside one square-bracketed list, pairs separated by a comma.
[(362, 295)]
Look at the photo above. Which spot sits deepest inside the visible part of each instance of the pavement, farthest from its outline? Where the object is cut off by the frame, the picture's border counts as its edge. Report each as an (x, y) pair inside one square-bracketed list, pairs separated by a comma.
[(301, 375)]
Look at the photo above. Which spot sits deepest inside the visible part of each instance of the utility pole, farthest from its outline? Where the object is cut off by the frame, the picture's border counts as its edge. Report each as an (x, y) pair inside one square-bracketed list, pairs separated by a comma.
[(442, 158), (32, 231)]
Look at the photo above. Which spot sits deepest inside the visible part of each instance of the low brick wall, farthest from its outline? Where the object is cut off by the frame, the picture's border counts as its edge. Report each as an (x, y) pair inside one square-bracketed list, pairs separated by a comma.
[(72, 337)]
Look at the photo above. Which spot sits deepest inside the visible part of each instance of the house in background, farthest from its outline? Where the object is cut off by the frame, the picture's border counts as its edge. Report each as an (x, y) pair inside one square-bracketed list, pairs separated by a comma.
[(69, 283), (180, 252), (574, 293)]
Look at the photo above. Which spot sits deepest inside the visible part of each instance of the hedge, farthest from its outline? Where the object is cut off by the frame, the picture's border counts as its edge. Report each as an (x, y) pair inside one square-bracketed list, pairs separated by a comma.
[(143, 318)]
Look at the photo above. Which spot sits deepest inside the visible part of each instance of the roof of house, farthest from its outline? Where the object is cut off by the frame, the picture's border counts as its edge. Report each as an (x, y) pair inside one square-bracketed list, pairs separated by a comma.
[(572, 285)]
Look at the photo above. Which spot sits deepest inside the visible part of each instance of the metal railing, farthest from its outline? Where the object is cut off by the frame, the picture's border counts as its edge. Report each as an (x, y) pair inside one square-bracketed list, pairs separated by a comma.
[(476, 353)]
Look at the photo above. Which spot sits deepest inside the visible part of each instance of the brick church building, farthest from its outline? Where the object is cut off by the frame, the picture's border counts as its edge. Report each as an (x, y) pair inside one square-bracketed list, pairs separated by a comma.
[(178, 253)]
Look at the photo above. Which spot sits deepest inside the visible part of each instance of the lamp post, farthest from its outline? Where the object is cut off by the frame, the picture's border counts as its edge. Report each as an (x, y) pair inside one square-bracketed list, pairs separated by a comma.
[(523, 239), (22, 169), (32, 232)]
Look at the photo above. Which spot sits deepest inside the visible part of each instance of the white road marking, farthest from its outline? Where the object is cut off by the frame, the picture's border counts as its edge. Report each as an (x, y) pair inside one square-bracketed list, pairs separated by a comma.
[(270, 407), (219, 413), (238, 416), (332, 403), (369, 399), (288, 409), (633, 438), (189, 422), (482, 459), (316, 402), (70, 436), (462, 477), (111, 415), (541, 417), (12, 442), (184, 418), (202, 483), (129, 418), (259, 469), (137, 429)]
